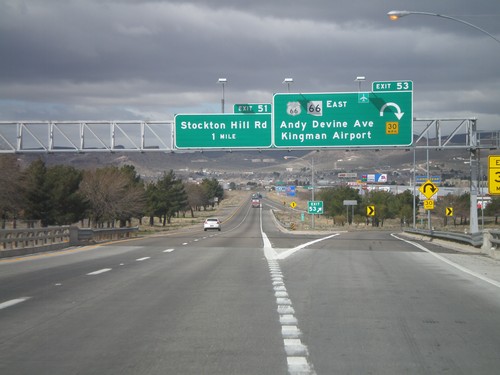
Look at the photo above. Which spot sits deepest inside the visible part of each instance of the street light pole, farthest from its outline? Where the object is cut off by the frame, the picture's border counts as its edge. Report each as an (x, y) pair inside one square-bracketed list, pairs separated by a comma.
[(288, 82), (395, 15), (222, 81), (360, 79), (474, 226), (312, 189)]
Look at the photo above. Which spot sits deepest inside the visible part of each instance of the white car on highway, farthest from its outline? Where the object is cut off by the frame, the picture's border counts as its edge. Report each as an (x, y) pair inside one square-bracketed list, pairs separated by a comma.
[(212, 223)]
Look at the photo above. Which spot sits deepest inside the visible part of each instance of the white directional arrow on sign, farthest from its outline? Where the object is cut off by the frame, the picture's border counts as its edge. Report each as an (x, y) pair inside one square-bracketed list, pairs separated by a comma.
[(398, 113)]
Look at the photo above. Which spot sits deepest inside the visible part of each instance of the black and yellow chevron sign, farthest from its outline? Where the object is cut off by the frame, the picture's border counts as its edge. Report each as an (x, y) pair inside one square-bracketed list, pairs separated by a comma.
[(370, 210), (449, 211)]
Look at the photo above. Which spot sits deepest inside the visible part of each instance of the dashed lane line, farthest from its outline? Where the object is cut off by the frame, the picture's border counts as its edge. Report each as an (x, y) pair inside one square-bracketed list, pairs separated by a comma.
[(98, 272), (297, 354), (13, 302)]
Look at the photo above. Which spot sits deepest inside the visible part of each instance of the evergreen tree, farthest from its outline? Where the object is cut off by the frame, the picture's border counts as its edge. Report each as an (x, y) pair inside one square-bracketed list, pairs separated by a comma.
[(67, 205), (36, 197)]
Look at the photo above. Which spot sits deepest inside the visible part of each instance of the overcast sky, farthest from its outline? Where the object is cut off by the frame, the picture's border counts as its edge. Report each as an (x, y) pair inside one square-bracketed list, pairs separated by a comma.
[(151, 59)]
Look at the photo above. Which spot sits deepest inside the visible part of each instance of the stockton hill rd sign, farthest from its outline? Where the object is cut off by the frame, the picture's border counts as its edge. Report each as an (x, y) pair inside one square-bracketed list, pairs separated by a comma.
[(343, 119), (205, 131)]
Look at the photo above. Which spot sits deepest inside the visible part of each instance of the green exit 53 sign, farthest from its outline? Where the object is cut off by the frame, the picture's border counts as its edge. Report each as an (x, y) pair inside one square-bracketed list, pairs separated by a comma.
[(315, 207), (343, 119)]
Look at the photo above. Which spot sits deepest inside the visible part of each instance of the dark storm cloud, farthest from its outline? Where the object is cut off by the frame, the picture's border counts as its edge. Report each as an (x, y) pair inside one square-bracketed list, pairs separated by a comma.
[(123, 59)]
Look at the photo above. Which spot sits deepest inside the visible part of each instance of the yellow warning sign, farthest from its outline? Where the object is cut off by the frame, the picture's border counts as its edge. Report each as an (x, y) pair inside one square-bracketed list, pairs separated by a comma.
[(494, 174), (428, 204), (428, 189)]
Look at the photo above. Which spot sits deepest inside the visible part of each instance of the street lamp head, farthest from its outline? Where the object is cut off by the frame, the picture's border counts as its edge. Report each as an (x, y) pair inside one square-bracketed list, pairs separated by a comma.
[(222, 80), (360, 78), (394, 15), (288, 80)]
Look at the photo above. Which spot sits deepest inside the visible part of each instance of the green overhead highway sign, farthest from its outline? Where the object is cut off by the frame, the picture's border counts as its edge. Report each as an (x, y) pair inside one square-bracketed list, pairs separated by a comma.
[(253, 108), (201, 131), (343, 119)]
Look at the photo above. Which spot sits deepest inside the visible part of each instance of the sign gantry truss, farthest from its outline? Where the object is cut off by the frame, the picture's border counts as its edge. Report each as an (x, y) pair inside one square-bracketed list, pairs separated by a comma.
[(85, 136), (154, 136)]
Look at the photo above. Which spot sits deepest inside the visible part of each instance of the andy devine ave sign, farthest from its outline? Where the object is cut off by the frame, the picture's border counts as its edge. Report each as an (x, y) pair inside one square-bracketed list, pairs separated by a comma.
[(377, 118)]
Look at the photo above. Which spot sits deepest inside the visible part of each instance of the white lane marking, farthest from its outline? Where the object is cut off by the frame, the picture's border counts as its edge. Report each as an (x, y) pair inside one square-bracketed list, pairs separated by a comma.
[(99, 271), (13, 302), (168, 250), (297, 353), (281, 294), (290, 332), (298, 365), (294, 348), (288, 319), (289, 252), (449, 262), (184, 243), (141, 259)]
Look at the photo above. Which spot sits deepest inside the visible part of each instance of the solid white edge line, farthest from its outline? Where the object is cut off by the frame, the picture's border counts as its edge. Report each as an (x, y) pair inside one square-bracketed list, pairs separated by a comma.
[(449, 262), (13, 302), (99, 272)]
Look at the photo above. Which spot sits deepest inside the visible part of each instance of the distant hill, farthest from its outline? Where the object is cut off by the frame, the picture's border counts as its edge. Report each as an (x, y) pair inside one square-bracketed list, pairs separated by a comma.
[(153, 164)]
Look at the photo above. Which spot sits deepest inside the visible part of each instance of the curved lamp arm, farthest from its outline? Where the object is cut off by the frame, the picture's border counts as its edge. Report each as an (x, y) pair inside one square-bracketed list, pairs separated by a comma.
[(397, 14)]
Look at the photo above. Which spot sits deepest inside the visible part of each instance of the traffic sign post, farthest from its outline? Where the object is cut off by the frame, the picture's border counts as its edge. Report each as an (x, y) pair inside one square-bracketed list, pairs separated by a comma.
[(315, 207), (205, 131), (343, 120)]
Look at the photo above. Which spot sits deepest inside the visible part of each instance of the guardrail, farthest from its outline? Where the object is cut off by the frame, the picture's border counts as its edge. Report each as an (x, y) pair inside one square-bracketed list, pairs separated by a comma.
[(491, 244), (487, 240), (79, 235), (17, 242)]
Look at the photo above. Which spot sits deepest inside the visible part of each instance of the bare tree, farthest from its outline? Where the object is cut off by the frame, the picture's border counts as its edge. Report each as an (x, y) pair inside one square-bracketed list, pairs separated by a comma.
[(197, 196), (111, 195)]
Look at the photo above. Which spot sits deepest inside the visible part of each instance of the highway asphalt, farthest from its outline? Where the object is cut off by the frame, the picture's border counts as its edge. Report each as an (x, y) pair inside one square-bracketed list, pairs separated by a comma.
[(251, 299)]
